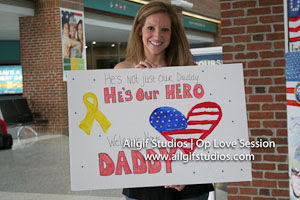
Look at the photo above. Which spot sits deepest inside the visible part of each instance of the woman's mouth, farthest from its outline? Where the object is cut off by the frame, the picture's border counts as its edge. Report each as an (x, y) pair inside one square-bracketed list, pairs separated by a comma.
[(156, 43)]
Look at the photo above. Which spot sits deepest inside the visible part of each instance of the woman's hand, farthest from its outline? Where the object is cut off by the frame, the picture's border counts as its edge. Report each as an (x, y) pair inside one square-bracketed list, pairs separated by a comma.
[(145, 64), (177, 187)]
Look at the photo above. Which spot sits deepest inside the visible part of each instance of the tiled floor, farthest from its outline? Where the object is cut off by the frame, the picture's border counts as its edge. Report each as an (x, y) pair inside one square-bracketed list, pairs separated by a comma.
[(37, 168)]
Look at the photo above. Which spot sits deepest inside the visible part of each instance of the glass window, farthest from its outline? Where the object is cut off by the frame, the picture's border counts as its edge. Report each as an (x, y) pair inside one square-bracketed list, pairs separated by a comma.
[(105, 55)]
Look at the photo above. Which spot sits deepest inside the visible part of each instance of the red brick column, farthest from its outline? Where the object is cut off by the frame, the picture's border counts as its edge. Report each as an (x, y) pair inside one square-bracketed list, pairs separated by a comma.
[(41, 59), (253, 34)]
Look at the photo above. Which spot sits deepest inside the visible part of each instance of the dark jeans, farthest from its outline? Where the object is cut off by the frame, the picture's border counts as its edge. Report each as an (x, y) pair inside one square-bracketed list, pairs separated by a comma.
[(201, 197)]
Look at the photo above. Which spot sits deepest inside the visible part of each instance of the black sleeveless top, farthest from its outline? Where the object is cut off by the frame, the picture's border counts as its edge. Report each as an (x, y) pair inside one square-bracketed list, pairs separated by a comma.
[(161, 193)]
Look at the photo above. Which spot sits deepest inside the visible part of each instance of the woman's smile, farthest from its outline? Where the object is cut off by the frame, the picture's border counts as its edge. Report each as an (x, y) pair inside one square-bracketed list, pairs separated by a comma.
[(156, 34)]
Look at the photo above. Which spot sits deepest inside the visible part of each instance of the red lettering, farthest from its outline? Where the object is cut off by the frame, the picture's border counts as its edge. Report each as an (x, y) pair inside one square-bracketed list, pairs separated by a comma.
[(186, 91), (140, 94), (106, 165), (155, 92), (136, 158), (198, 94), (170, 92), (148, 95), (139, 164), (178, 92), (168, 162), (122, 163), (156, 165), (128, 93), (110, 96), (120, 97)]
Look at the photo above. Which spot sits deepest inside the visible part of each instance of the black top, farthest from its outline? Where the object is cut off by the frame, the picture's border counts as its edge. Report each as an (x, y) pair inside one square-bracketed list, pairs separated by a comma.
[(161, 193)]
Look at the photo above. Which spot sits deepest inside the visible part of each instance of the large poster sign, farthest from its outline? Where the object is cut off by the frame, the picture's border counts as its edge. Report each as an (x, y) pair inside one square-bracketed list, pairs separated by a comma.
[(73, 40), (293, 115), (153, 127), (292, 16), (11, 79)]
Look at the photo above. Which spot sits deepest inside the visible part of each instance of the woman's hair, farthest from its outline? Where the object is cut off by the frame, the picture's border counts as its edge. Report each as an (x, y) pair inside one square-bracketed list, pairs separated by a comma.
[(177, 53), (64, 21), (79, 22)]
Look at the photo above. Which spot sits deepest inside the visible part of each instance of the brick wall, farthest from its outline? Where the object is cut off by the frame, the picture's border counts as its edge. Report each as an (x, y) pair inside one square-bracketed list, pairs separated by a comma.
[(41, 59), (253, 34)]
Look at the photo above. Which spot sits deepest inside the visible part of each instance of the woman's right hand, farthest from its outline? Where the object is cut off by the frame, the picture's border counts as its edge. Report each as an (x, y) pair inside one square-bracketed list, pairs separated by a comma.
[(145, 64)]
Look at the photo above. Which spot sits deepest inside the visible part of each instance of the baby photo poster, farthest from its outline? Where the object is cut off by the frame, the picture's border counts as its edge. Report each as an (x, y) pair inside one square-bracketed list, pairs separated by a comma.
[(155, 127)]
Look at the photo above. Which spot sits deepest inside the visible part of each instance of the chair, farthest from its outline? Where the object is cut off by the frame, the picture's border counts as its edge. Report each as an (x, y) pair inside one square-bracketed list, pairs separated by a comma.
[(16, 113)]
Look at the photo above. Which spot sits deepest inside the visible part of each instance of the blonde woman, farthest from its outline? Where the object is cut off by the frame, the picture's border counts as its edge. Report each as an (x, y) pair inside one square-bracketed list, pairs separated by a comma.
[(157, 39)]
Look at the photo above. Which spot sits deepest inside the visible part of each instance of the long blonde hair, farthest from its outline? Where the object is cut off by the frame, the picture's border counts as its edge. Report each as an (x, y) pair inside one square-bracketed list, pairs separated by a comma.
[(177, 53)]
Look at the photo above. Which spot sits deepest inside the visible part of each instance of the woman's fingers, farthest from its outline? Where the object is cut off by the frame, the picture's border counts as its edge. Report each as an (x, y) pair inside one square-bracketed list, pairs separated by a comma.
[(145, 64), (150, 64), (176, 187), (179, 187)]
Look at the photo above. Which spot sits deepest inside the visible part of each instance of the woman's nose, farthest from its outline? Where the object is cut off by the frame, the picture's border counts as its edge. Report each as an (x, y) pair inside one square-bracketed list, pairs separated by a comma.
[(157, 33)]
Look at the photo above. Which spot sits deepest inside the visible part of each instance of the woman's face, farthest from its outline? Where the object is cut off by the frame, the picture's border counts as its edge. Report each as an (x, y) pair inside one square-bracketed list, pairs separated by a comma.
[(156, 34), (79, 32), (72, 31)]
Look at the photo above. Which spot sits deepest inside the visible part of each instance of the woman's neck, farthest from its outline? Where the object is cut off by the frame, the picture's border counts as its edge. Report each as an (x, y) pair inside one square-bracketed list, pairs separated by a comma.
[(158, 60)]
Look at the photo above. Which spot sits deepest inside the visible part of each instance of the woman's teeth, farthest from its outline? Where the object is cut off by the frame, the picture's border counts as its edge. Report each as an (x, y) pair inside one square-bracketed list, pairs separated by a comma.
[(156, 43)]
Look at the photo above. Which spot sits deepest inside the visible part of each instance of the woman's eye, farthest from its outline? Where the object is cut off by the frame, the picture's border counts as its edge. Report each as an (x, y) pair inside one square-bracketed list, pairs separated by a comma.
[(150, 28), (165, 29)]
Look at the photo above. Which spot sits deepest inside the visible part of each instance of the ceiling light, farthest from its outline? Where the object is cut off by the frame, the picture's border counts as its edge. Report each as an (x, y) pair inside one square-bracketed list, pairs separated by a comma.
[(113, 45), (94, 42), (182, 3), (139, 1)]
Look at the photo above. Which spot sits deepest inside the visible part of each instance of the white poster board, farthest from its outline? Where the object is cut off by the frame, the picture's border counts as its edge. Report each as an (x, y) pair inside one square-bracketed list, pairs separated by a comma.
[(140, 110)]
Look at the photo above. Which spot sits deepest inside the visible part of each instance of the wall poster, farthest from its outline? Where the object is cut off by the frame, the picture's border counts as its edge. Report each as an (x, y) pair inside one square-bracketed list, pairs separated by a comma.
[(292, 58), (292, 24), (73, 40), (293, 115)]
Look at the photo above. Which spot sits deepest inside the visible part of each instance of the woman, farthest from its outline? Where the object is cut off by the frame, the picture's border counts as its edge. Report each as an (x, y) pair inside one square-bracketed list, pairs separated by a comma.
[(80, 35), (157, 39), (65, 38)]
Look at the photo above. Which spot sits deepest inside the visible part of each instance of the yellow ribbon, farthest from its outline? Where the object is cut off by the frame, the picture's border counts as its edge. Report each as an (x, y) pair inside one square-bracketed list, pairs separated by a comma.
[(93, 113)]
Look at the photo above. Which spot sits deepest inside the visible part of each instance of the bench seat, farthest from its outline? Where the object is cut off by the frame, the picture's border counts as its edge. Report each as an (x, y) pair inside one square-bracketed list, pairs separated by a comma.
[(16, 113)]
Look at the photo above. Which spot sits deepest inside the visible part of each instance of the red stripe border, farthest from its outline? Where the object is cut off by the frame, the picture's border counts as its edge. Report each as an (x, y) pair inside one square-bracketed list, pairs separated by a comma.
[(294, 19), (78, 14), (292, 103), (294, 39), (290, 90), (294, 29)]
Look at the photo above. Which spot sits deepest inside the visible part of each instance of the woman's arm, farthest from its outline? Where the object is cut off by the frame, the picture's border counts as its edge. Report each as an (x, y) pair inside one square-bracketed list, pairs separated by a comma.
[(124, 65), (74, 43)]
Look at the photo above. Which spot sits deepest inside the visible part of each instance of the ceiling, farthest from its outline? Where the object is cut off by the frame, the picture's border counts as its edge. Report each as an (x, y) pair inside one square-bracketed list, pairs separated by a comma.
[(98, 28), (9, 19)]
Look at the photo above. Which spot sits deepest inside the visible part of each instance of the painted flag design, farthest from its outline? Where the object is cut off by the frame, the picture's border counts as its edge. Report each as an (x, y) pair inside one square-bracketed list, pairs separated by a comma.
[(294, 24), (174, 126)]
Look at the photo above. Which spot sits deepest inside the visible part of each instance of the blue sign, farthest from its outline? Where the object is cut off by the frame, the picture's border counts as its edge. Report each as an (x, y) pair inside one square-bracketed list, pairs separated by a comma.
[(11, 80), (208, 56)]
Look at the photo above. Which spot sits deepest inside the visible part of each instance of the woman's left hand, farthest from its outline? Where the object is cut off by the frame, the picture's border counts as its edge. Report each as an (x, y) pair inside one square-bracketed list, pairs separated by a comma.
[(177, 187), (145, 64)]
